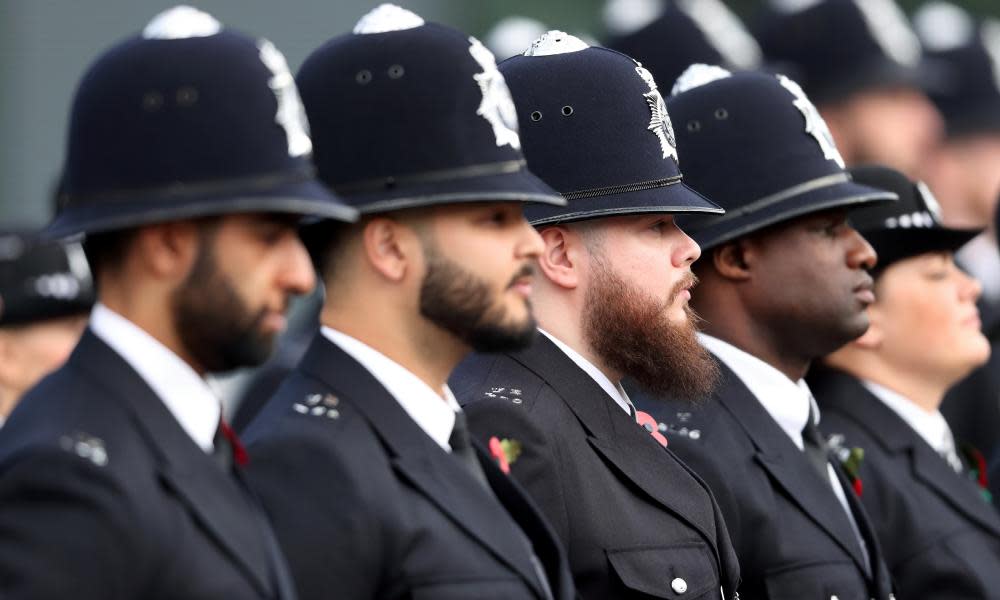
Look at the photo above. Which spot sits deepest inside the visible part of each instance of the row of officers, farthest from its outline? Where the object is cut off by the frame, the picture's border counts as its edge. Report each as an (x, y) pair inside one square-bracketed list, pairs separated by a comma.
[(548, 365)]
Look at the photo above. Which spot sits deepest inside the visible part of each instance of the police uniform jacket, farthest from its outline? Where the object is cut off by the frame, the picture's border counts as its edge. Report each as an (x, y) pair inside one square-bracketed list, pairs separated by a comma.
[(792, 537), (636, 523), (366, 505), (941, 538), (103, 495)]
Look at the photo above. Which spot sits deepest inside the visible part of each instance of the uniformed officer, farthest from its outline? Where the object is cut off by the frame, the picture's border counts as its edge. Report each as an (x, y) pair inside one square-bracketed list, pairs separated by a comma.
[(612, 302), (964, 175), (187, 170), (363, 458), (939, 533), (684, 32), (861, 63), (783, 282), (45, 295)]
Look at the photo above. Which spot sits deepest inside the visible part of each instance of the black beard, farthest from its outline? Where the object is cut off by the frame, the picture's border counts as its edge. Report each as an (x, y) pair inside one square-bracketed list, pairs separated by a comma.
[(630, 332), (458, 301), (215, 326)]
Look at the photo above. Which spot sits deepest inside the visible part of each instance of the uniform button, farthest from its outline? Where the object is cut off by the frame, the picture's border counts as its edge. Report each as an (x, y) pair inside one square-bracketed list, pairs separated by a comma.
[(679, 585), (834, 597)]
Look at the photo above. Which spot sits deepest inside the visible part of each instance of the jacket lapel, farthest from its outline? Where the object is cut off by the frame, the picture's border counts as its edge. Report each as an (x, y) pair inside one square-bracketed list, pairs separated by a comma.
[(853, 401), (616, 437), (416, 458), (788, 465), (214, 500)]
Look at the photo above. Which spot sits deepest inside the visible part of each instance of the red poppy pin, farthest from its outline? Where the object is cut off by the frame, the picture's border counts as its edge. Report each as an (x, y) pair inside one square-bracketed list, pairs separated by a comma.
[(505, 452), (977, 470), (850, 461), (649, 424)]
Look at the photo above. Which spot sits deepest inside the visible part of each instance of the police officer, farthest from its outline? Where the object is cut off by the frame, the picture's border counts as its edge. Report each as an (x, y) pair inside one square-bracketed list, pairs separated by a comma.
[(861, 63), (187, 169), (45, 294), (612, 302), (964, 175), (939, 532), (783, 282), (685, 32), (363, 458)]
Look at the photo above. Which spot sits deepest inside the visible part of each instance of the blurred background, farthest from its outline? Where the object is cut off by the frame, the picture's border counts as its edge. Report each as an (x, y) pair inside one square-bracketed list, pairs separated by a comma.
[(46, 44)]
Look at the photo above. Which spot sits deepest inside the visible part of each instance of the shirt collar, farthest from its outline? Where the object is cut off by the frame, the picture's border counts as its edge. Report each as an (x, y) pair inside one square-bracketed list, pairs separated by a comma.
[(615, 390), (931, 426), (434, 413), (788, 402), (187, 396)]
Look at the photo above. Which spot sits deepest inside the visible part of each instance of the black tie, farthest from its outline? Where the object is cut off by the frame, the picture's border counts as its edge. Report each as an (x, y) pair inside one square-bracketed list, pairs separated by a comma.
[(461, 447), (815, 448)]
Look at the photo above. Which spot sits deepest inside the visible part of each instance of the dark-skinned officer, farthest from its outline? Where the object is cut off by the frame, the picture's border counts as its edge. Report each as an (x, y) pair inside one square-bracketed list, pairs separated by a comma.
[(783, 281)]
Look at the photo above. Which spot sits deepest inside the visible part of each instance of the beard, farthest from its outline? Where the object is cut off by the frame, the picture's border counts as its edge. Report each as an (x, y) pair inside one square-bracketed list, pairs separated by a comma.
[(631, 332), (460, 302), (216, 327)]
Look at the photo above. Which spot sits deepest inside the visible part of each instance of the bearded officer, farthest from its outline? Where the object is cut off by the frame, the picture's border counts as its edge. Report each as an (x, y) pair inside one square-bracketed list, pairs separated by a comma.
[(783, 282), (362, 457), (612, 302), (46, 292), (187, 169), (924, 492)]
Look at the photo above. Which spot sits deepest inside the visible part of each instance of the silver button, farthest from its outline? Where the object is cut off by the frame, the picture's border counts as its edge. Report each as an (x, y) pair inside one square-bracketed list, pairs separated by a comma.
[(679, 585), (834, 597)]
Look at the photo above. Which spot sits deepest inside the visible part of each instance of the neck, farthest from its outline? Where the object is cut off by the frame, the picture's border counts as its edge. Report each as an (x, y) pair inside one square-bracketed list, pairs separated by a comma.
[(923, 389), (151, 312), (8, 399), (559, 317), (420, 347), (758, 342)]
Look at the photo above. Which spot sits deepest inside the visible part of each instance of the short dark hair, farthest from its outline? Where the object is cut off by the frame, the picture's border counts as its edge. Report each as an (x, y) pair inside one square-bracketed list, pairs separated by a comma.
[(106, 250), (325, 242)]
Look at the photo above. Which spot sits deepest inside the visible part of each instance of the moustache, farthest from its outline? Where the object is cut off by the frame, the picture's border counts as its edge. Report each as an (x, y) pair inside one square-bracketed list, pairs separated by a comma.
[(526, 270)]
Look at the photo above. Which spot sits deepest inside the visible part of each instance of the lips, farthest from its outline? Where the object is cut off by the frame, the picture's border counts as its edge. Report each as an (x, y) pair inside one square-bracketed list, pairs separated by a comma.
[(865, 291)]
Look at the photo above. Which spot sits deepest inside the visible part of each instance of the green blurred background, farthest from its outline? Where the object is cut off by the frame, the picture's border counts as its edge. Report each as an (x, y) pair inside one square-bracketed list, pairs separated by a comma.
[(45, 45)]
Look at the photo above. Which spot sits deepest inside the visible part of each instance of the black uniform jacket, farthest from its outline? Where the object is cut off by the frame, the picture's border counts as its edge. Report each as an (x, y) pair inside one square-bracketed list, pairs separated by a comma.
[(367, 505), (792, 537), (636, 523), (103, 495), (940, 536)]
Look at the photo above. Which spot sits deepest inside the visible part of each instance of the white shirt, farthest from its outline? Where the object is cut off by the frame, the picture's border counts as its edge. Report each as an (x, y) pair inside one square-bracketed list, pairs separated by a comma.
[(186, 394), (615, 390), (788, 402), (432, 411), (931, 426)]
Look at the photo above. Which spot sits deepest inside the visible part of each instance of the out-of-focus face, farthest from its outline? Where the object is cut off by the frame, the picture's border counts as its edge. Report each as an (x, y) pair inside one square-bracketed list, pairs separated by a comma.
[(479, 265), (894, 126), (30, 352), (977, 181), (927, 319), (636, 315), (232, 306), (810, 281)]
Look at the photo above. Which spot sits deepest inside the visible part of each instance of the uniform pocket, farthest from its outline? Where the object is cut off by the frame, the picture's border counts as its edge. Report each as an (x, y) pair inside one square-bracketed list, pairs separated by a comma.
[(816, 581), (680, 571), (479, 589)]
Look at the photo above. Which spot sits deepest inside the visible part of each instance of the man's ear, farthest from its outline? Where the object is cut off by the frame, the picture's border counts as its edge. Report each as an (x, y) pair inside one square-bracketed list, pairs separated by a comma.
[(731, 260), (563, 256), (169, 250), (390, 247)]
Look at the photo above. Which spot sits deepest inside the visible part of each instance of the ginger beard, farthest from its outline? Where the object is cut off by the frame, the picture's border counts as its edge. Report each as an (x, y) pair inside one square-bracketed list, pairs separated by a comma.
[(462, 303), (632, 333)]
